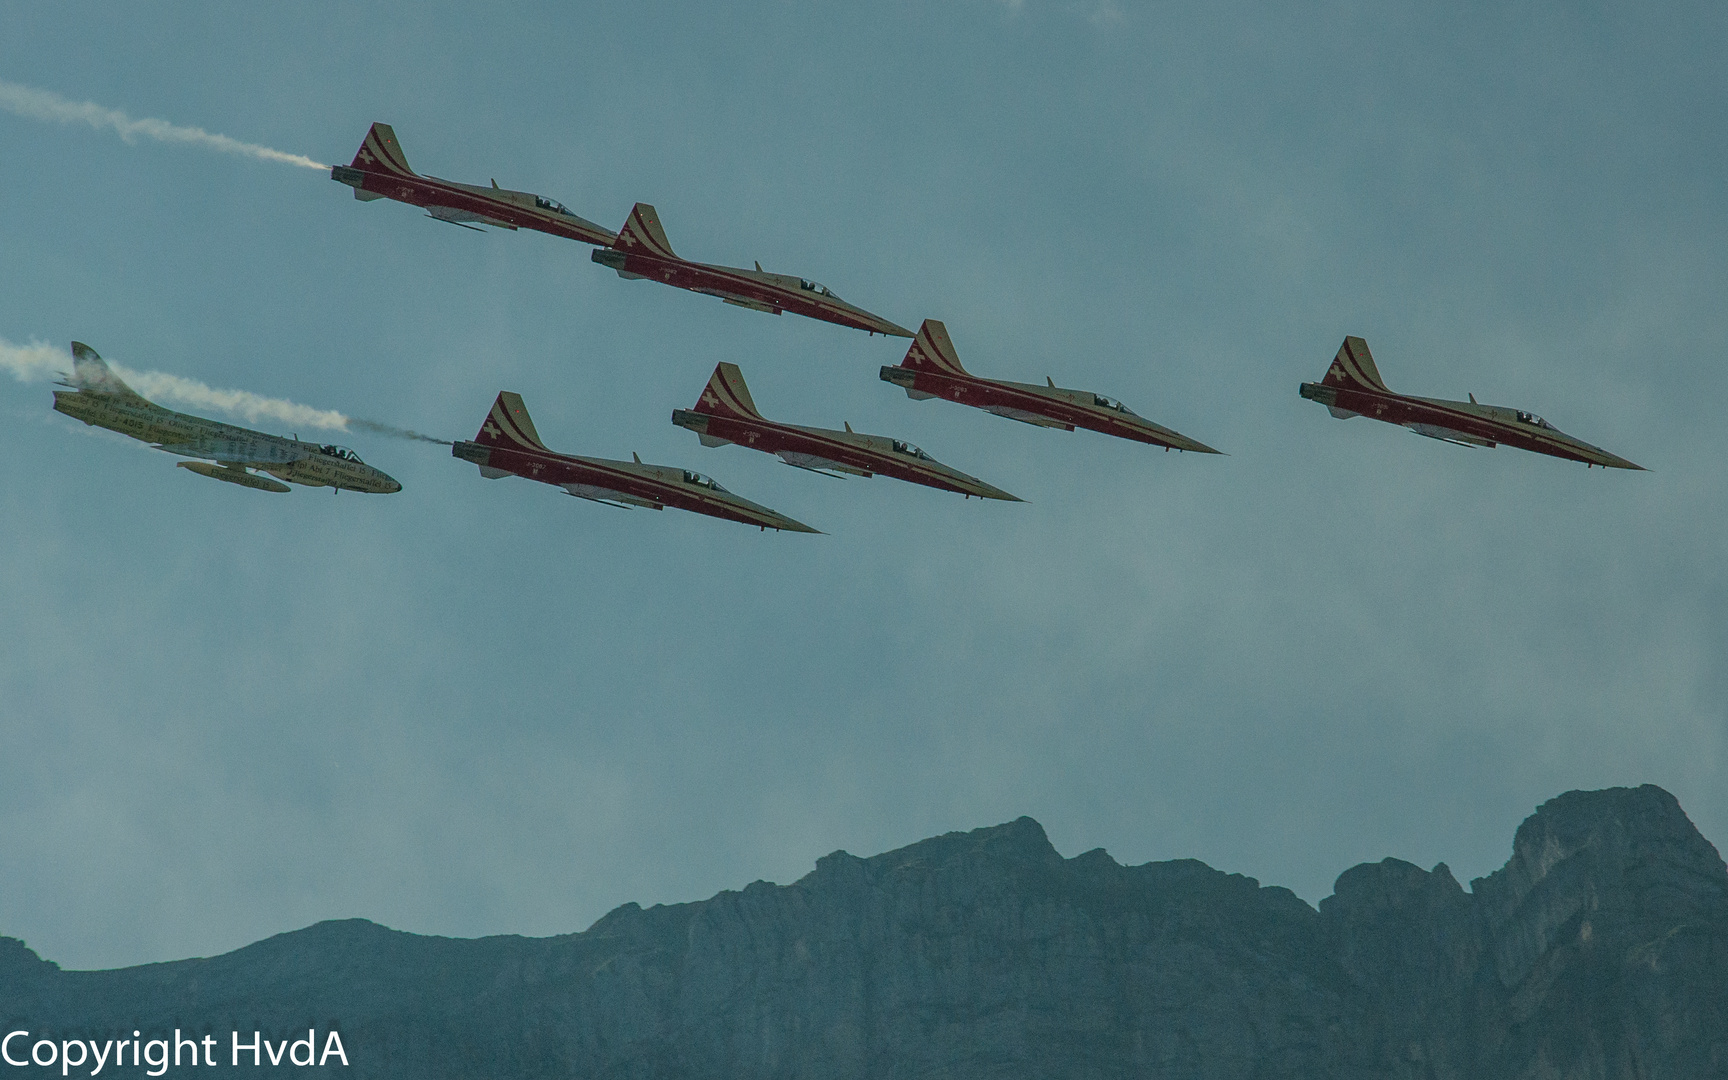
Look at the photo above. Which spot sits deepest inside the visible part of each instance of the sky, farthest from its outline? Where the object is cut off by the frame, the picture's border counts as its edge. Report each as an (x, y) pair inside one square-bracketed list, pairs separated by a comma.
[(482, 707)]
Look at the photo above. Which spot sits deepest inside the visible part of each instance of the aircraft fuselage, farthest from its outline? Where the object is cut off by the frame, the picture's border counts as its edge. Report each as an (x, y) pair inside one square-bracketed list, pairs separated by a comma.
[(758, 290), (1042, 406), (842, 451), (380, 171), (1353, 387), (623, 482), (642, 251), (932, 369), (307, 464)]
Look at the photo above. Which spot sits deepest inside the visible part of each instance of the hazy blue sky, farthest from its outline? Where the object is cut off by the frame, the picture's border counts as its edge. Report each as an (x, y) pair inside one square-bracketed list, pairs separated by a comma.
[(483, 707)]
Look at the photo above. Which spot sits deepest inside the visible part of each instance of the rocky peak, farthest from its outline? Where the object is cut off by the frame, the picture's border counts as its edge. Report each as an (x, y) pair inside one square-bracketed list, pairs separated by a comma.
[(18, 960), (1394, 924), (1599, 952), (1627, 862)]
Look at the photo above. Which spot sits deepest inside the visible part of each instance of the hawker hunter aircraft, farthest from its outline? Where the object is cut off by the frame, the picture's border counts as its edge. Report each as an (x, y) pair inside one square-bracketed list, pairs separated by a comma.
[(932, 369), (380, 171), (725, 414), (99, 397), (642, 251), (508, 445), (1352, 387)]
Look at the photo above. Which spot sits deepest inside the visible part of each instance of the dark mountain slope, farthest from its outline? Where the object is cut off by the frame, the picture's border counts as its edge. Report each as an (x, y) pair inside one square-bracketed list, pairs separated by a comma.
[(1599, 951)]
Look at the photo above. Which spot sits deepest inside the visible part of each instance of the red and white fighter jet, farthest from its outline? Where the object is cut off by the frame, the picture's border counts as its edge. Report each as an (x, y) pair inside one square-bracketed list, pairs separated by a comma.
[(508, 445), (932, 369), (726, 414), (380, 171), (1352, 387), (642, 251)]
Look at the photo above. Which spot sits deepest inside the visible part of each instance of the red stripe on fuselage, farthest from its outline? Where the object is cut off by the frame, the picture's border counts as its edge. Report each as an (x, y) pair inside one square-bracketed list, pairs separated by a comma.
[(772, 438), (561, 469), (684, 274), (1397, 409), (426, 191), (981, 393)]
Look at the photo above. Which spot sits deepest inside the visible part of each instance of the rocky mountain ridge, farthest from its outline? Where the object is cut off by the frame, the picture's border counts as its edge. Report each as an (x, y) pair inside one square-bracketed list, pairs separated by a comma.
[(1599, 951)]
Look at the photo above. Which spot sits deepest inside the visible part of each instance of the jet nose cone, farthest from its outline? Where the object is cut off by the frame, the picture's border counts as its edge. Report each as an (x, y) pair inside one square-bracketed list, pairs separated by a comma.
[(988, 491), (775, 520), (1183, 442), (1595, 455), (391, 486), (877, 324)]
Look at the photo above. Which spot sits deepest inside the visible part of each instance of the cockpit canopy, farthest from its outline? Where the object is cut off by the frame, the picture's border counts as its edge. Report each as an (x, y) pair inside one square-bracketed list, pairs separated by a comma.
[(813, 286), (1534, 420), (1111, 403), (701, 481), (341, 452), (911, 451), (547, 204)]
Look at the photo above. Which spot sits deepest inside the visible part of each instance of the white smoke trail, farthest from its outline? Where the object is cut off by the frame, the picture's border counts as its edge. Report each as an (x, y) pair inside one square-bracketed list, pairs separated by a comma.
[(33, 362), (36, 362), (161, 387), (45, 105), (357, 424)]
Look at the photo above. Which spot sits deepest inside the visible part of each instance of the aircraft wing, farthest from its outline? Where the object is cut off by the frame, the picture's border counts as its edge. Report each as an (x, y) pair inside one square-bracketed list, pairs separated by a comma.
[(463, 217), (262, 450)]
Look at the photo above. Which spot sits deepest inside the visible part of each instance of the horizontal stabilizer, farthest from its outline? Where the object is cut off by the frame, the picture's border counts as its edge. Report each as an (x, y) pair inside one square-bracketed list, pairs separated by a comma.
[(234, 475)]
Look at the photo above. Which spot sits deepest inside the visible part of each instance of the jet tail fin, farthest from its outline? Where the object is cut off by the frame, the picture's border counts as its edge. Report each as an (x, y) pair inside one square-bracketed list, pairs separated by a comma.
[(642, 233), (380, 152), (508, 425), (91, 373), (726, 395), (1353, 368), (933, 350)]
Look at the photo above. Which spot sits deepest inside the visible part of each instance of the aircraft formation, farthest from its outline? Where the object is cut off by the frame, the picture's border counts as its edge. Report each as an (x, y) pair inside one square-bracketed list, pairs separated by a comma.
[(507, 443)]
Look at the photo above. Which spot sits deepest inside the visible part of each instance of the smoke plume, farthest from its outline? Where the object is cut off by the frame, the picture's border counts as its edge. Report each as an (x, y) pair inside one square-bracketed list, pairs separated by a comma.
[(33, 362), (45, 105), (244, 404), (376, 428), (37, 362)]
